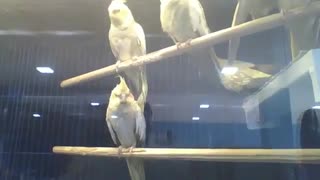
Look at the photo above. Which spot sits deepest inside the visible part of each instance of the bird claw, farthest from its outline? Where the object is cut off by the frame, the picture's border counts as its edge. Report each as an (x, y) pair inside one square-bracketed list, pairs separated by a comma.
[(179, 45), (184, 44), (126, 150), (134, 58), (131, 149), (119, 151), (188, 42), (117, 66)]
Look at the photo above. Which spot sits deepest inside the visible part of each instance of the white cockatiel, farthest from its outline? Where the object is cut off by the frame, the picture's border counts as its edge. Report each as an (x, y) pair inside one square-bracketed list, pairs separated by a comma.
[(127, 126), (184, 20), (127, 41)]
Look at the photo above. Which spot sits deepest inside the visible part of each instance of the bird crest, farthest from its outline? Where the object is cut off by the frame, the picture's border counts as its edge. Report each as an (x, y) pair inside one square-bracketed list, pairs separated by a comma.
[(124, 1), (120, 15), (123, 87)]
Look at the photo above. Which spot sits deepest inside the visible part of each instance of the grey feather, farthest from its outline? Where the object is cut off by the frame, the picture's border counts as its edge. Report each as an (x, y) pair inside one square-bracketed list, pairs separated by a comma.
[(127, 125)]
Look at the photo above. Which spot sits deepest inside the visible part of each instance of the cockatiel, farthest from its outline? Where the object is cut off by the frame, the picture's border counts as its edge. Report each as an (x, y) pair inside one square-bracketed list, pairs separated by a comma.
[(184, 20), (127, 41), (304, 30), (127, 125)]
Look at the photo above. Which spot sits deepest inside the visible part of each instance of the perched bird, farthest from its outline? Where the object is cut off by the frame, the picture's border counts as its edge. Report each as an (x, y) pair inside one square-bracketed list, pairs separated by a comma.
[(184, 20), (127, 41), (126, 125)]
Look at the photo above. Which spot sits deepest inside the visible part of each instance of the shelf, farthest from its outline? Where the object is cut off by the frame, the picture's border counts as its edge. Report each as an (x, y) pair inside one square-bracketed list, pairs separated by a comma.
[(288, 76), (291, 78)]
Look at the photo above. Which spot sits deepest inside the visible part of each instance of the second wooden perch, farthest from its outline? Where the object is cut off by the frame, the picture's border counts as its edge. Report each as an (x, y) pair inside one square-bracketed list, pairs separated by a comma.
[(311, 156), (248, 28)]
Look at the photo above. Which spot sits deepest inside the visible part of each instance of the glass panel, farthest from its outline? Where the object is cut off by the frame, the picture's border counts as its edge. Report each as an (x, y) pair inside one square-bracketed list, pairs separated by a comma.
[(214, 74)]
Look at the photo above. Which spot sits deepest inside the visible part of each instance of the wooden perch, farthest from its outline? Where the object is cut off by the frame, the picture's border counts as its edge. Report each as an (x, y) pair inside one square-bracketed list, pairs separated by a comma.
[(244, 29), (311, 156)]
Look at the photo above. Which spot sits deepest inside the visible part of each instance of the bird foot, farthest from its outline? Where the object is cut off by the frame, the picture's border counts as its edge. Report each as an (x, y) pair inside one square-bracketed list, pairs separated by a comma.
[(120, 148), (183, 44), (188, 42), (117, 66), (179, 45), (134, 58), (131, 149)]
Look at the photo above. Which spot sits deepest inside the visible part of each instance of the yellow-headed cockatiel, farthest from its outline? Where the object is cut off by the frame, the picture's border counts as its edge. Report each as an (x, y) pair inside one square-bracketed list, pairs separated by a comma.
[(127, 41)]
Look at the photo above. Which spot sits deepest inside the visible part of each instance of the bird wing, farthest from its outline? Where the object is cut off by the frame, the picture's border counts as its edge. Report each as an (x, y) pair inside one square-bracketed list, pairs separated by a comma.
[(140, 129), (111, 130)]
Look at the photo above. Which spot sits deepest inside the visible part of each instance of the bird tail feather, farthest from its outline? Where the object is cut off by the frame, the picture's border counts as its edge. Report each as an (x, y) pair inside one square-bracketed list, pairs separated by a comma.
[(136, 168), (144, 88), (137, 81)]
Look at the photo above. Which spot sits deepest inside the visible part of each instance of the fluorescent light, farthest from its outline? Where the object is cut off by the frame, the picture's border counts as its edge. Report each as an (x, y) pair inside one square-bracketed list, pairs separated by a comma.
[(95, 104), (195, 118), (46, 70), (34, 33), (114, 117), (316, 107), (229, 70), (36, 115), (204, 106)]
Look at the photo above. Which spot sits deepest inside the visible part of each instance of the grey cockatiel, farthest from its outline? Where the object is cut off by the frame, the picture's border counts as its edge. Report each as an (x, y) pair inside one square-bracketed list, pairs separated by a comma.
[(184, 20), (126, 125), (127, 41)]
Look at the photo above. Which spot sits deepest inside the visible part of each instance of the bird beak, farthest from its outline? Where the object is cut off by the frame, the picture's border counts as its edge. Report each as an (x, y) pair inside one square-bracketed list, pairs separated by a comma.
[(122, 98)]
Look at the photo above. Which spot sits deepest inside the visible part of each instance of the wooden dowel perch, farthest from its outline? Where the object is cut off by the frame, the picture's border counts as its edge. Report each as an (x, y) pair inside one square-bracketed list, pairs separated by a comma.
[(245, 29), (311, 156)]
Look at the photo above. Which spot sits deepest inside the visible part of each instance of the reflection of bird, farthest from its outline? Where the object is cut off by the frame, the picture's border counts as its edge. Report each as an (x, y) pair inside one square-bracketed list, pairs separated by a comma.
[(304, 30), (184, 20), (126, 125), (127, 41)]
